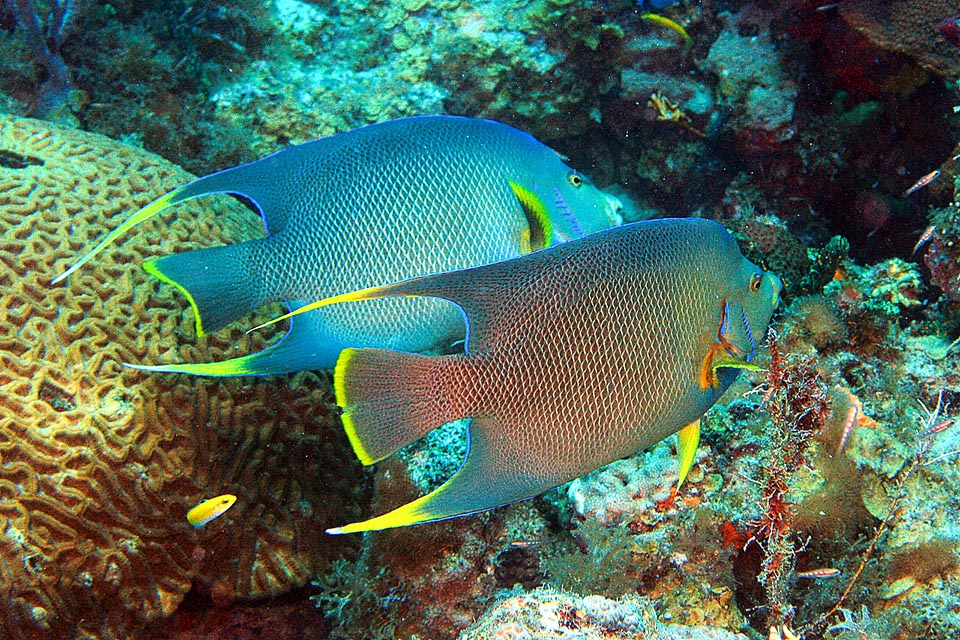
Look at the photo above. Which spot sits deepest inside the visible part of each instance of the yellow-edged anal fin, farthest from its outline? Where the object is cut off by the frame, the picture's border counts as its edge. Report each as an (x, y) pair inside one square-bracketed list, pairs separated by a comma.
[(539, 230), (410, 513), (688, 439)]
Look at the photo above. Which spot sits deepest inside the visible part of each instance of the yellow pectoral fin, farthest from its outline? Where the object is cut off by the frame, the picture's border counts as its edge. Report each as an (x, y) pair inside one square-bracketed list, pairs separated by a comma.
[(688, 439), (525, 247), (734, 363), (718, 358), (708, 374), (539, 231)]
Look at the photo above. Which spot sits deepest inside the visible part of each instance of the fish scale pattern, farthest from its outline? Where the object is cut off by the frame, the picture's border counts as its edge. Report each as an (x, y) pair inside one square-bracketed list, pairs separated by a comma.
[(613, 359), (406, 198), (578, 355), (98, 463)]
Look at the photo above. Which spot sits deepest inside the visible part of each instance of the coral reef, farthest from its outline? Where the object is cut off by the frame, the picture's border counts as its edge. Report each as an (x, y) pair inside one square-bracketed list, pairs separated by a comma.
[(44, 42), (942, 255), (547, 613), (910, 26), (362, 63), (800, 125), (634, 533), (99, 462), (796, 399), (137, 71), (750, 81), (428, 582)]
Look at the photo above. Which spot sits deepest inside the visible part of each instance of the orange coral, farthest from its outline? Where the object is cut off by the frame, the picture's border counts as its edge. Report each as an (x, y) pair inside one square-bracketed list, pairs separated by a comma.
[(909, 27), (98, 463)]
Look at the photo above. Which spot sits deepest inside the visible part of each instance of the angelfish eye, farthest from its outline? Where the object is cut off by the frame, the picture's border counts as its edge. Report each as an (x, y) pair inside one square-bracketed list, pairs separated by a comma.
[(575, 179), (755, 281)]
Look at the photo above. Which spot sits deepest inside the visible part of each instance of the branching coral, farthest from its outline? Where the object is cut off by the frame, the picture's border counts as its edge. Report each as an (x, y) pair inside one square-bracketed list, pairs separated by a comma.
[(44, 42)]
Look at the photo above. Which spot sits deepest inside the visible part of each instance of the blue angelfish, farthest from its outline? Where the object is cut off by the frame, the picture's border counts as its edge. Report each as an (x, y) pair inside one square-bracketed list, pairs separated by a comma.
[(577, 355), (373, 205)]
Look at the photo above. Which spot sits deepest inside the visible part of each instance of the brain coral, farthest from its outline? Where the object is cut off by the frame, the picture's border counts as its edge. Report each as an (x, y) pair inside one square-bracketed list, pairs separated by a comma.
[(98, 463), (909, 27)]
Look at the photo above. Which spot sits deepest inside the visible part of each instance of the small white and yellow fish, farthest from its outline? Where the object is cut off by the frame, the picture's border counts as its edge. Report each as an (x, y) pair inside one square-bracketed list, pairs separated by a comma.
[(922, 182), (211, 509)]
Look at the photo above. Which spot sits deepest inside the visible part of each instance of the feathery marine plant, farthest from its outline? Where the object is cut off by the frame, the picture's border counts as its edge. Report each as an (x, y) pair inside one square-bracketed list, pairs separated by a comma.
[(795, 397)]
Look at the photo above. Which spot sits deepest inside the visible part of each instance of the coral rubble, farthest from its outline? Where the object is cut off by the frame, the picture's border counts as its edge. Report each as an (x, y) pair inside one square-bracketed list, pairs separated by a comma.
[(546, 613)]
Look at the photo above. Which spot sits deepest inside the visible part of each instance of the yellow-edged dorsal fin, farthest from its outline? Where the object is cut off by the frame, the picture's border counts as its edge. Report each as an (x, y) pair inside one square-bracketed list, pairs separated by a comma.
[(146, 213), (354, 296)]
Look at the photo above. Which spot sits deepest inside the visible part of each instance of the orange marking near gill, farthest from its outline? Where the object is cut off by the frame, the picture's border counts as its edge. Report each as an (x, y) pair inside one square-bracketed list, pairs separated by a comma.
[(708, 374)]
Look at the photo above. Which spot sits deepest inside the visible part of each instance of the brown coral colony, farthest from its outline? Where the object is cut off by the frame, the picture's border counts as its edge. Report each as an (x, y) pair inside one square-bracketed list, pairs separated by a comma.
[(98, 464)]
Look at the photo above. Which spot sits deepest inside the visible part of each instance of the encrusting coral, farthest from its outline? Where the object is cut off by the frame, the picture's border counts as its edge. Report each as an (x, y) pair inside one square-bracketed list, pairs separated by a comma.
[(545, 614), (99, 463), (909, 27)]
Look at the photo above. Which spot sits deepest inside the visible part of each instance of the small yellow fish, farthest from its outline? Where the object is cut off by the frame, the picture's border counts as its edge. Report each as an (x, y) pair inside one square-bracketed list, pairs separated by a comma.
[(669, 24), (210, 509)]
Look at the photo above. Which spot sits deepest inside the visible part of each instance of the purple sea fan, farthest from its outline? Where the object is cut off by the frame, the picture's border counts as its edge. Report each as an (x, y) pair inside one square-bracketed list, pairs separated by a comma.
[(44, 43), (950, 30)]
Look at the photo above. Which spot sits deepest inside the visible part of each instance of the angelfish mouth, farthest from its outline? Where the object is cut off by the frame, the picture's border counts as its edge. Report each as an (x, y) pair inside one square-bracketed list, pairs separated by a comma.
[(614, 207)]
